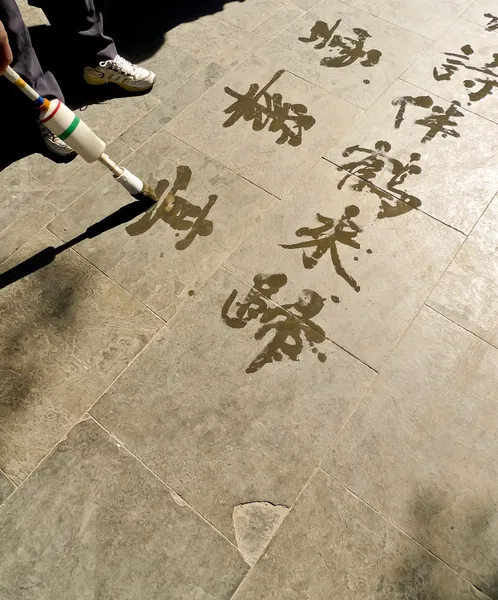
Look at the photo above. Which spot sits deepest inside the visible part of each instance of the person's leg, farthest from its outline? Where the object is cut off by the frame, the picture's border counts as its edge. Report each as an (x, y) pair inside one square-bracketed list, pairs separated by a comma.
[(26, 62), (80, 22)]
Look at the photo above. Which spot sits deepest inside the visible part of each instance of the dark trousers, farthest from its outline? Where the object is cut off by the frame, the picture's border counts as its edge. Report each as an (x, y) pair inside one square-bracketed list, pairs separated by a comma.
[(78, 30)]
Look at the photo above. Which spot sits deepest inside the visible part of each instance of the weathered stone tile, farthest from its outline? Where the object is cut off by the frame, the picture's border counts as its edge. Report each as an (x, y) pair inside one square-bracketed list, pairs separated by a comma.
[(365, 266), (316, 47), (222, 414), (20, 192), (48, 171), (164, 262), (183, 97), (468, 291), (249, 15), (332, 545), (249, 133), (304, 4), (173, 67), (87, 175), (205, 38), (424, 16), (6, 488), (92, 522), (483, 12), (423, 149), (66, 333), (31, 15), (26, 226), (274, 24), (461, 65), (110, 118), (422, 446)]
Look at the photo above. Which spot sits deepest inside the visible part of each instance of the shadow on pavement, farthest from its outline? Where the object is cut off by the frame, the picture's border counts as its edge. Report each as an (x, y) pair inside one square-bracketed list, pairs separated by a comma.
[(47, 255), (138, 34)]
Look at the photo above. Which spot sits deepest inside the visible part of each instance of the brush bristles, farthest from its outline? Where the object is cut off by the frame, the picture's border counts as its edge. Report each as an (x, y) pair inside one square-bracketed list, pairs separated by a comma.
[(147, 194)]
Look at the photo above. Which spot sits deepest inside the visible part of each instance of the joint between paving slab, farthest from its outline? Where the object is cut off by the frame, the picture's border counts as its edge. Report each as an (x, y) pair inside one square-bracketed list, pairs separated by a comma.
[(164, 483), (284, 309), (400, 530)]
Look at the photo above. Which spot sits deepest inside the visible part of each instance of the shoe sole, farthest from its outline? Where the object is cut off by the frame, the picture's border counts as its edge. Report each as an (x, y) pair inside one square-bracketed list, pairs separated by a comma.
[(102, 81)]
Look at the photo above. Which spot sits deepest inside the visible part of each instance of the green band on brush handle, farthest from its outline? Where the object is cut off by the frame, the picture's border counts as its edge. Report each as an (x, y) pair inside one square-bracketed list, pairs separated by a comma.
[(64, 135)]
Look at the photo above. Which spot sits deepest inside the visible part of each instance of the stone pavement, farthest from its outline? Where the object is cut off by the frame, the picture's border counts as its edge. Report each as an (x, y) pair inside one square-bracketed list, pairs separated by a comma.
[(286, 388)]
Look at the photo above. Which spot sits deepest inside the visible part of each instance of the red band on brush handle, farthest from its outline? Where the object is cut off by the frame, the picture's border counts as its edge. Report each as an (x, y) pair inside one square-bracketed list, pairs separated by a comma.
[(52, 114)]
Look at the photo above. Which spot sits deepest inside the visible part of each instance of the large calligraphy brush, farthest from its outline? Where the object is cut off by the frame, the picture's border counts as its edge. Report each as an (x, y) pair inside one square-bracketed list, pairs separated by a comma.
[(68, 127)]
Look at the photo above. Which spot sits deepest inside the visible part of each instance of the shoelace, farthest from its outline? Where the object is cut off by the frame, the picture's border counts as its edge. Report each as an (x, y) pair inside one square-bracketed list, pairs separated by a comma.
[(121, 65)]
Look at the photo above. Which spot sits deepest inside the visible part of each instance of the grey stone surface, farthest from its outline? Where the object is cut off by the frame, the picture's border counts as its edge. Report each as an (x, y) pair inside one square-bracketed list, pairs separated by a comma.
[(191, 90), (422, 447), (332, 545), (221, 436), (452, 181), (66, 333), (20, 193), (388, 49), (253, 149), (255, 524), (6, 488), (424, 16), (466, 83), (232, 395), (368, 268), (163, 262), (91, 522), (468, 292)]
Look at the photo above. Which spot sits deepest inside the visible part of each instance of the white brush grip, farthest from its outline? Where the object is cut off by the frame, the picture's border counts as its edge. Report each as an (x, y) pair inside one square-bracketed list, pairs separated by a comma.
[(130, 182), (59, 119)]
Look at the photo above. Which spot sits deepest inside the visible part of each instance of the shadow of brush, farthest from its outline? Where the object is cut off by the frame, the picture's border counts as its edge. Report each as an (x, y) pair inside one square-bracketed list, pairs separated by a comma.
[(47, 255)]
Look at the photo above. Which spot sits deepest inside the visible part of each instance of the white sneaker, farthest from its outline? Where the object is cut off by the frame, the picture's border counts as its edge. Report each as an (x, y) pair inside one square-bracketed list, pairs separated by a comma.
[(54, 144), (122, 72)]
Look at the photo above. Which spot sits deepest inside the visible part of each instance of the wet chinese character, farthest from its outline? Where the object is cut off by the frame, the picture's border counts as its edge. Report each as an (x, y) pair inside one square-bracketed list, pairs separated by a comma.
[(177, 212), (372, 164), (439, 121), (346, 50), (488, 80), (288, 119), (326, 238), (255, 304), (290, 324), (493, 23)]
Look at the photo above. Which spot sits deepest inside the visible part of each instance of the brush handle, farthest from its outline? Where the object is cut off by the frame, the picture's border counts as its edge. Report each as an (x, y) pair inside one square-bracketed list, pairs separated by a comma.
[(27, 90)]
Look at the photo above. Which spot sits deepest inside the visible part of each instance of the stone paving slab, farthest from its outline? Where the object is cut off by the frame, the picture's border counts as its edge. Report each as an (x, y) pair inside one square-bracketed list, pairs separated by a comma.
[(274, 24), (20, 192), (425, 17), (26, 226), (108, 528), (374, 272), (190, 47), (461, 65), (6, 488), (422, 446), (401, 145), (164, 259), (77, 182), (483, 12), (315, 47), (332, 545), (193, 89), (249, 15), (221, 414), (66, 333), (468, 292), (271, 151)]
